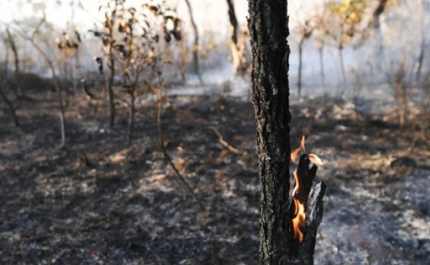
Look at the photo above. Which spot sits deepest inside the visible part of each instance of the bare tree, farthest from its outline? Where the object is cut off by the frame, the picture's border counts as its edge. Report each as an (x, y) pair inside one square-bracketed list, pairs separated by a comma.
[(305, 33), (196, 63), (57, 83), (422, 46), (13, 46), (238, 41)]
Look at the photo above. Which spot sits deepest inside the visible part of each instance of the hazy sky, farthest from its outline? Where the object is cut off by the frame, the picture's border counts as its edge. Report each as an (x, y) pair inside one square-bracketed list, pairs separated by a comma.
[(207, 12)]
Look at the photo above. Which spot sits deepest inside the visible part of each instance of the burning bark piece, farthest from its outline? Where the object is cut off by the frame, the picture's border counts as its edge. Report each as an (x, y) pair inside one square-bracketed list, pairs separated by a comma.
[(305, 220), (306, 172)]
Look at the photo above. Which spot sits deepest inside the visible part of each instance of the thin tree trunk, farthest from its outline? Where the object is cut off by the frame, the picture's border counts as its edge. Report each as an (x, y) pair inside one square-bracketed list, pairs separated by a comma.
[(57, 83), (110, 86), (12, 45), (422, 48), (400, 94), (234, 36), (58, 90), (233, 20), (377, 12), (183, 60), (342, 68), (299, 81), (11, 108), (268, 26), (132, 113), (196, 63), (321, 53)]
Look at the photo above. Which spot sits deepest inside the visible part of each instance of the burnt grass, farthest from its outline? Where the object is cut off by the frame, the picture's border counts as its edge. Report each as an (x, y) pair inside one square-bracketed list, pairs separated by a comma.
[(98, 200)]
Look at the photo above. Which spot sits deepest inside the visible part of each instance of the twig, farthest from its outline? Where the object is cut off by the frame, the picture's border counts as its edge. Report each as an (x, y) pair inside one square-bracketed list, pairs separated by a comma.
[(223, 142), (57, 83), (37, 28), (166, 154)]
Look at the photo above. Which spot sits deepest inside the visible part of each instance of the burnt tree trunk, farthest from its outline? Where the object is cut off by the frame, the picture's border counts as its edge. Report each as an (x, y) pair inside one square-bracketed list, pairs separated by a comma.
[(268, 26)]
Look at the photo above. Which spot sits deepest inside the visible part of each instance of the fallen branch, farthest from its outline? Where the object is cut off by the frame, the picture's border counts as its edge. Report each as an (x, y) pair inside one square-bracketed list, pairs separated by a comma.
[(223, 142), (166, 154)]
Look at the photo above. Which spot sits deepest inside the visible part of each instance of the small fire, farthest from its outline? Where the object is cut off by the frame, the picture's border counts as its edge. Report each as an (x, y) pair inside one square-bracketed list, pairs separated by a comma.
[(295, 153), (299, 205), (300, 215)]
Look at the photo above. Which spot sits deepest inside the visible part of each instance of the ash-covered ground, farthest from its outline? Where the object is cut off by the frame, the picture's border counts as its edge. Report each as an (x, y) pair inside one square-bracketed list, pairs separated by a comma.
[(100, 201)]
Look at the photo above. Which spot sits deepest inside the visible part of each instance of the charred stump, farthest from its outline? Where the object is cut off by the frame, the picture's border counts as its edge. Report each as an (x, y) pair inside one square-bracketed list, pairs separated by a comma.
[(268, 27), (303, 249)]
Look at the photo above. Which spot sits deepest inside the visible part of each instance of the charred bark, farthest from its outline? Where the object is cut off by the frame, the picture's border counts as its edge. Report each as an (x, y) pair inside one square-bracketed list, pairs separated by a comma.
[(268, 26), (303, 252)]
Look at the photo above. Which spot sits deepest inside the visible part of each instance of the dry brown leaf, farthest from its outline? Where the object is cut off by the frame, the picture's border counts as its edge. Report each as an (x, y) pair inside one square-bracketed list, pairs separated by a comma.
[(220, 175), (118, 157), (179, 163), (160, 178), (245, 158), (223, 154)]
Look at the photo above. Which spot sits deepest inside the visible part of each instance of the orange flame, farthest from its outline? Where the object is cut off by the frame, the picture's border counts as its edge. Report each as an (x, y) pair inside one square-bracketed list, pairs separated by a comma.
[(296, 151), (299, 214)]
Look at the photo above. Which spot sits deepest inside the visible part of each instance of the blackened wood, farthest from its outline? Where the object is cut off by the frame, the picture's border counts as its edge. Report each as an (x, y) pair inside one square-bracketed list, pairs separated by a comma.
[(303, 252), (268, 30), (314, 215), (314, 218), (268, 27), (306, 172)]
